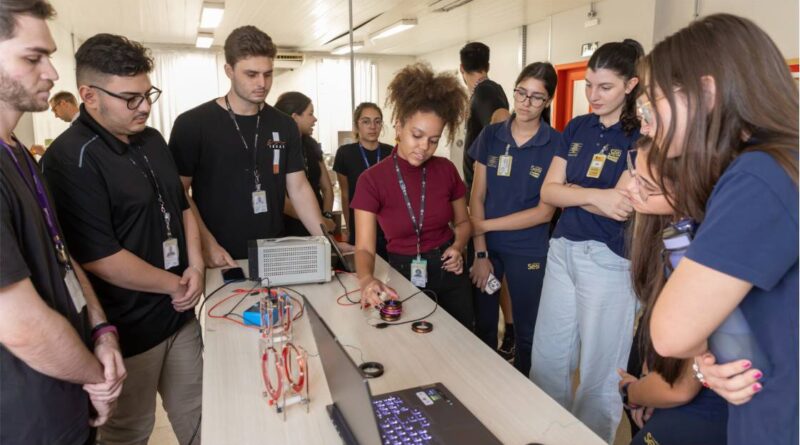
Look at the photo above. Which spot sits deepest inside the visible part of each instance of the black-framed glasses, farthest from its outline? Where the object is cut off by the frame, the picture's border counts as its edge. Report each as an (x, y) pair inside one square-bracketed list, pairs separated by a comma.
[(537, 100), (135, 100)]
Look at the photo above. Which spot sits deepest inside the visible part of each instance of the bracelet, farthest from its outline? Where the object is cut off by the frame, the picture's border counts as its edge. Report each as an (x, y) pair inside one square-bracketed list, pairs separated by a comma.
[(699, 375), (102, 329)]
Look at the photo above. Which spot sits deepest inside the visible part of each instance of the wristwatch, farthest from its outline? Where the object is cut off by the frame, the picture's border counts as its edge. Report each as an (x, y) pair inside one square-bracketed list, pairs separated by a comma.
[(328, 215), (482, 254), (623, 393)]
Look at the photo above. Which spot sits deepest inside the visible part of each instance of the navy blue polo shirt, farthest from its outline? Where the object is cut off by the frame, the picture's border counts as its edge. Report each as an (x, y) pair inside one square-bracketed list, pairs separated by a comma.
[(750, 232), (519, 191), (585, 137)]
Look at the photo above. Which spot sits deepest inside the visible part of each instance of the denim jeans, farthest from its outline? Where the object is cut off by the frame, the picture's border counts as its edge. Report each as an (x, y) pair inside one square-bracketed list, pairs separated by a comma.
[(585, 316)]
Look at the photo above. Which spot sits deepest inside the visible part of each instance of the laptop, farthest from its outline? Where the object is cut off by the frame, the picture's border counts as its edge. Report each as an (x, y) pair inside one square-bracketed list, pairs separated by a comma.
[(345, 262), (428, 414)]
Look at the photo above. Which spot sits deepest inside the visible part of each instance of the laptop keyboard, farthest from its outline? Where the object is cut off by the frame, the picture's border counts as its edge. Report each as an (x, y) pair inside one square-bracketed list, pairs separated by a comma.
[(400, 424)]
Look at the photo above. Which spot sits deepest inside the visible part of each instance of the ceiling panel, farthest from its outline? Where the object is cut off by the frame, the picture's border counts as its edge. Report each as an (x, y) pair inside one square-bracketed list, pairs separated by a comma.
[(308, 24)]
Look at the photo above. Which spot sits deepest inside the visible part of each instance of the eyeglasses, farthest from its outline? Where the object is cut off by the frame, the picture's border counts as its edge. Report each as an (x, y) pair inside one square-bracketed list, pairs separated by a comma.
[(537, 100), (135, 100), (368, 122), (646, 188), (644, 109)]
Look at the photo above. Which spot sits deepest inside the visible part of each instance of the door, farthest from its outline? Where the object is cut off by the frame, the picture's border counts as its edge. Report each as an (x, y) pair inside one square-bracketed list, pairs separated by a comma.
[(570, 99)]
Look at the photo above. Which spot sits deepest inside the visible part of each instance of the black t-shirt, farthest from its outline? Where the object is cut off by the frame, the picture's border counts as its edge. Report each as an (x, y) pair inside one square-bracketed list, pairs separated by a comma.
[(207, 148), (350, 163), (107, 201), (487, 97), (312, 156), (35, 408)]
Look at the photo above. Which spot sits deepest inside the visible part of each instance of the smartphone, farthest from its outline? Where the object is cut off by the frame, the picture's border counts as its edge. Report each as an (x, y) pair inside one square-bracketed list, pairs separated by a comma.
[(232, 274), (492, 285)]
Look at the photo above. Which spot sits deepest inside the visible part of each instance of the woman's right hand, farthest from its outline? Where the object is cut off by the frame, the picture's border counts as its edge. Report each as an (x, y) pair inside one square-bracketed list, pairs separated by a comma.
[(734, 381), (479, 272), (614, 203), (371, 293)]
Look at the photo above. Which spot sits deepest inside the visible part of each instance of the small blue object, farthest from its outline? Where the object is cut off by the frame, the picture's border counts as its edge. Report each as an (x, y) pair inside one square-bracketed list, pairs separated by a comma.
[(252, 316)]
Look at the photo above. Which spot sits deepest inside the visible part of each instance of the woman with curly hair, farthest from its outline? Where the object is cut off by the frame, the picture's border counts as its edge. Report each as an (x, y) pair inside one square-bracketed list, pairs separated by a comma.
[(415, 196)]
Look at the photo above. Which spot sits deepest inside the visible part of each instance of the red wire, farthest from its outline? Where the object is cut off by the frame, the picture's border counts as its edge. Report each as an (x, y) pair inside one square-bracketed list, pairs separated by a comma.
[(274, 393)]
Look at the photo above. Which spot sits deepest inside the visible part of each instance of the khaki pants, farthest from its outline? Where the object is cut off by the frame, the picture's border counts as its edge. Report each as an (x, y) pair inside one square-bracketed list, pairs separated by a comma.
[(174, 368)]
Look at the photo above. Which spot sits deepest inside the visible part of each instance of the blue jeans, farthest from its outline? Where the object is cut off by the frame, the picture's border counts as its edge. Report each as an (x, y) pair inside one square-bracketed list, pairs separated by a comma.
[(585, 316), (524, 276)]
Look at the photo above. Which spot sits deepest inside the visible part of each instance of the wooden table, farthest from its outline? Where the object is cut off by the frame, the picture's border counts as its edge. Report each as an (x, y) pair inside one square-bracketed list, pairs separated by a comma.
[(235, 411)]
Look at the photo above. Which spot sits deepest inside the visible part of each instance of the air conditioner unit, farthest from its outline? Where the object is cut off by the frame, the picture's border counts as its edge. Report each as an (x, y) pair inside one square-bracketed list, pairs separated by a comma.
[(287, 60), (290, 260)]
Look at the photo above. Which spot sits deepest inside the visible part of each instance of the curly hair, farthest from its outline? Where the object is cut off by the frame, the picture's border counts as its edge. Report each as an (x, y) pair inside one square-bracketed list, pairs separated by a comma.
[(416, 88), (109, 54)]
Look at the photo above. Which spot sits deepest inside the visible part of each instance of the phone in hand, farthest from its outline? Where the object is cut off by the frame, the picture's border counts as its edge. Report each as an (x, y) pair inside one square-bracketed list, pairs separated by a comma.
[(232, 274), (492, 285)]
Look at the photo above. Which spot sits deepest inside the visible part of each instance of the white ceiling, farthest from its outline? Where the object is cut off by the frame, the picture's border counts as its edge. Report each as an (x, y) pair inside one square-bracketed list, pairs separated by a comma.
[(307, 25)]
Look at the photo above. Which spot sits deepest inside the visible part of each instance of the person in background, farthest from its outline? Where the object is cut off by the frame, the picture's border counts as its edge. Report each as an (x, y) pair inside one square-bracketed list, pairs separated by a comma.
[(660, 393), (488, 105), (510, 223), (62, 370), (587, 308), (128, 223), (299, 107), (353, 159), (64, 106), (726, 143), (416, 196)]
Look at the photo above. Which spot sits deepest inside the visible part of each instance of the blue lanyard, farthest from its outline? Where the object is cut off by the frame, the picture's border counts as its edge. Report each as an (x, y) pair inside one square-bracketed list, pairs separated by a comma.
[(364, 155)]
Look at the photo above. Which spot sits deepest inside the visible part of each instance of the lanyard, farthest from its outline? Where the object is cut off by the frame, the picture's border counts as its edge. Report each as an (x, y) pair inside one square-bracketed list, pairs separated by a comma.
[(404, 189), (256, 174), (151, 176), (364, 155), (41, 197)]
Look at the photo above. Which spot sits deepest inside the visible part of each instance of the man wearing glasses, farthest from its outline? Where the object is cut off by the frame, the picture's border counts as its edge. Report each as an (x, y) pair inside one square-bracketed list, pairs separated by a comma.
[(128, 222)]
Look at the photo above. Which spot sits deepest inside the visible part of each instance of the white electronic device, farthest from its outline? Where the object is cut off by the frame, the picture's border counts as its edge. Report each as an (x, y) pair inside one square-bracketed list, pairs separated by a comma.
[(290, 260)]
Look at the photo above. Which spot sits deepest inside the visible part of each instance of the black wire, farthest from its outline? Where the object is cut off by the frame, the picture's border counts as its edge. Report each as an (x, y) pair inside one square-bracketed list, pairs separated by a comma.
[(208, 297), (250, 292), (346, 292)]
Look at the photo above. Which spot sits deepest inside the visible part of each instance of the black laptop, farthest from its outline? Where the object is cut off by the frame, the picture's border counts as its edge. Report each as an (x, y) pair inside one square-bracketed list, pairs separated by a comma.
[(345, 262), (428, 414)]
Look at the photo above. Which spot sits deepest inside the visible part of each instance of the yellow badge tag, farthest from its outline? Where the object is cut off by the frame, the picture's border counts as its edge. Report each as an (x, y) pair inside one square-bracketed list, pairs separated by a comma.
[(504, 166), (596, 166)]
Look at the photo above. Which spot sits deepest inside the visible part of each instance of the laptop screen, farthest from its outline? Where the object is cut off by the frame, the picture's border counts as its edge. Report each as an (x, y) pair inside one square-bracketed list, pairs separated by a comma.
[(342, 262), (349, 390)]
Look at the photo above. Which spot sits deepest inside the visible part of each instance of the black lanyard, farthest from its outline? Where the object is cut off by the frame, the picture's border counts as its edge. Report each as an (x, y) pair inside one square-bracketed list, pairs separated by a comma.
[(256, 174), (151, 176), (404, 189), (364, 154), (41, 197)]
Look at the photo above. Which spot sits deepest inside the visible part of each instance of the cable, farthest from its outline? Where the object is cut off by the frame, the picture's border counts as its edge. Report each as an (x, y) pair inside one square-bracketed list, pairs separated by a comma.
[(346, 292), (384, 325)]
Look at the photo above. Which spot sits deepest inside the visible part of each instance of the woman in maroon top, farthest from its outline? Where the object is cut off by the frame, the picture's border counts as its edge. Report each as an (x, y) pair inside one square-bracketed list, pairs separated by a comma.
[(415, 196)]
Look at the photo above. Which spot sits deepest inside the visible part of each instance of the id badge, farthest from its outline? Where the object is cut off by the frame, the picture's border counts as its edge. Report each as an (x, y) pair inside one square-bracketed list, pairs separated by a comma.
[(596, 166), (419, 272), (504, 165), (171, 253), (276, 162), (75, 290), (260, 202)]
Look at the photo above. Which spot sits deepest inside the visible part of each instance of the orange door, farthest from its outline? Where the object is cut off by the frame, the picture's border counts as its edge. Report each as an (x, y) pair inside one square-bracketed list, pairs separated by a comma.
[(570, 99)]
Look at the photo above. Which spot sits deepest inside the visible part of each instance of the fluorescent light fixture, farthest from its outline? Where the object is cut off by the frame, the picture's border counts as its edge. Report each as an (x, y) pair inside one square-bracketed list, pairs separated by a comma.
[(211, 15), (396, 28), (204, 40), (345, 49)]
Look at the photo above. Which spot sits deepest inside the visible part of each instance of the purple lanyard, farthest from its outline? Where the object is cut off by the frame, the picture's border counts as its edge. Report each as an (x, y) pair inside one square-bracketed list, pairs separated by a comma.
[(41, 197), (364, 154)]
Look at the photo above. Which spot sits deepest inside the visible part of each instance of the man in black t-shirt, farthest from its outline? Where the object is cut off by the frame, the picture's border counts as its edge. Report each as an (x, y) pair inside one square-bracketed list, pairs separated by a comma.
[(241, 157), (47, 306), (488, 103), (128, 222)]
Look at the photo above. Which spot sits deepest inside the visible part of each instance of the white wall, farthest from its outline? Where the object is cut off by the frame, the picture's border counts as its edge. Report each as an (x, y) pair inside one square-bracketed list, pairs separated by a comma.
[(45, 124)]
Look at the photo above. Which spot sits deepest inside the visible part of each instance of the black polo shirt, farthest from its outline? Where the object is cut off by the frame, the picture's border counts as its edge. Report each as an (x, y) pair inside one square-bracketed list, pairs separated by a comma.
[(107, 201), (487, 97), (349, 162), (35, 408), (312, 156), (207, 148)]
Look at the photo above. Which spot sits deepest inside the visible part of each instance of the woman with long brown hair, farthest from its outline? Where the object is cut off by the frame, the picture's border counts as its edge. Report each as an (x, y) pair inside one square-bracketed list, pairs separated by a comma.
[(725, 110)]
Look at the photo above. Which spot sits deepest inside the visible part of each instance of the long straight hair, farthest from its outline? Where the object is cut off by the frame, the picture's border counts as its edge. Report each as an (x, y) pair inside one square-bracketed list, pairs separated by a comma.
[(544, 72), (755, 97)]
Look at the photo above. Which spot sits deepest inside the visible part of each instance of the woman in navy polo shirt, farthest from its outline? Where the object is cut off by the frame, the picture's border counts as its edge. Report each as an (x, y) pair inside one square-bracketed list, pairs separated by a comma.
[(510, 223), (415, 196), (587, 306), (726, 139)]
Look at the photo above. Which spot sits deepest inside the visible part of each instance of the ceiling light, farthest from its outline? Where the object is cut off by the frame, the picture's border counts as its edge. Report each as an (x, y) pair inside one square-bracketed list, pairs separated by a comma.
[(211, 15), (398, 27), (204, 40), (345, 49)]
